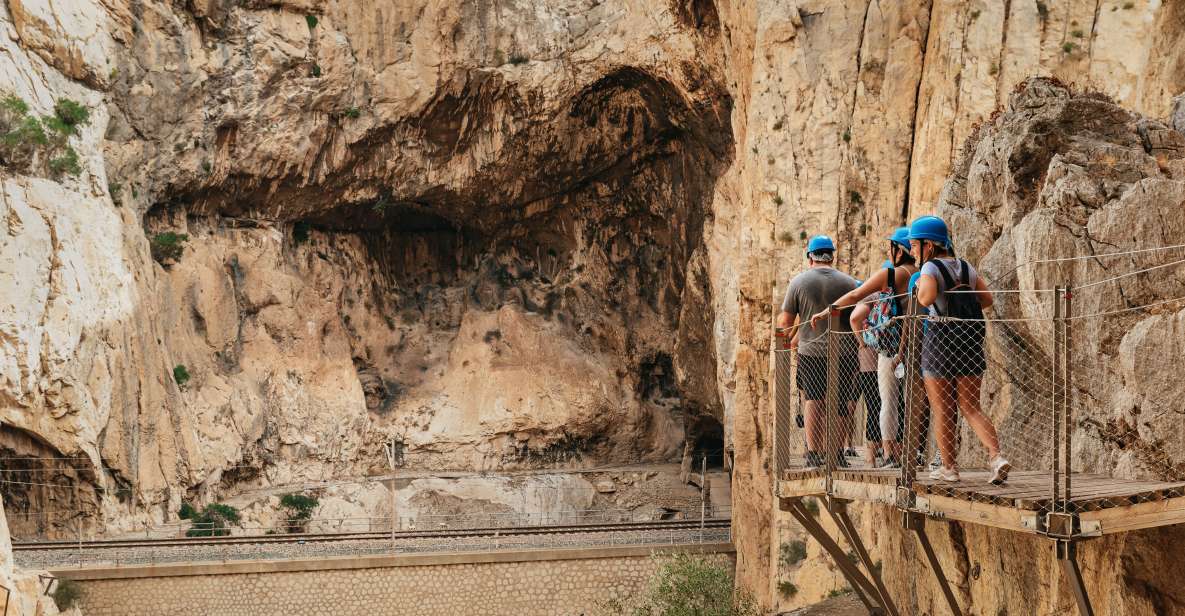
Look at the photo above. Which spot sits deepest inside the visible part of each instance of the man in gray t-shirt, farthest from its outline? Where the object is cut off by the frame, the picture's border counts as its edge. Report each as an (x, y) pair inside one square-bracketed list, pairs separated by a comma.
[(810, 292)]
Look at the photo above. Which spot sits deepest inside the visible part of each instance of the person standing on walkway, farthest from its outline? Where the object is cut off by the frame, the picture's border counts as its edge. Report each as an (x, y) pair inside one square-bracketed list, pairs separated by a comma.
[(813, 290), (952, 346), (889, 285), (866, 385)]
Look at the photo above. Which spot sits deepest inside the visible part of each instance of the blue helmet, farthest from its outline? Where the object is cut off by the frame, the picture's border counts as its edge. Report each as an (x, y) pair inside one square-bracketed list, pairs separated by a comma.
[(820, 243), (901, 237), (930, 228)]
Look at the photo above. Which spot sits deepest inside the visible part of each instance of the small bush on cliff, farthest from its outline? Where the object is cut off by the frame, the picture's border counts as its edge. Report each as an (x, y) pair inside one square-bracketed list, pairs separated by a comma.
[(66, 593), (213, 521), (686, 585), (787, 589), (298, 509), (167, 246), (180, 375), (186, 512), (792, 552), (311, 20), (40, 145)]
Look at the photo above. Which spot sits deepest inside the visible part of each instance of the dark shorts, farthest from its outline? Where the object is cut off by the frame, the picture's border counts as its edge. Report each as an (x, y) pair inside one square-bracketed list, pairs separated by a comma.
[(953, 349), (811, 378)]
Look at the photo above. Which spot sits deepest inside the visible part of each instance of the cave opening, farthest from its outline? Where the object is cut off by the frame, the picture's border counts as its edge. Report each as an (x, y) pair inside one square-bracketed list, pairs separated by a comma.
[(707, 434)]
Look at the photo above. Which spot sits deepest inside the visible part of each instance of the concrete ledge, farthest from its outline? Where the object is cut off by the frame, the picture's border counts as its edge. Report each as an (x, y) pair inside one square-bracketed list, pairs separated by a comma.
[(330, 563)]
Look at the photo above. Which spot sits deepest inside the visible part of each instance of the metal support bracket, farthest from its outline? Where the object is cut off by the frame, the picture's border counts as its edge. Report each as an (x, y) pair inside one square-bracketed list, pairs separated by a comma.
[(917, 523), (906, 498), (1066, 550), (864, 589), (1061, 525)]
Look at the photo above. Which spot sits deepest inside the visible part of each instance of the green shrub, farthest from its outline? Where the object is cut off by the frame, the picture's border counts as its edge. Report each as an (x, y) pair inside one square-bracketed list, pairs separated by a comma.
[(206, 167), (311, 20), (518, 58), (186, 512), (847, 135), (71, 113), (167, 246), (812, 506), (687, 585), (40, 145), (1077, 34), (66, 164), (180, 375), (785, 237), (213, 521), (1127, 6), (838, 592), (787, 589), (1042, 11), (792, 552), (316, 72), (353, 113), (298, 509), (66, 593), (1068, 47), (856, 197), (778, 200)]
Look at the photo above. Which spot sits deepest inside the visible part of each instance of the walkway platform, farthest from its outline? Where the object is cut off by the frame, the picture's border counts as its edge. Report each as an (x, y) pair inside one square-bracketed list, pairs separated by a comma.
[(1105, 505)]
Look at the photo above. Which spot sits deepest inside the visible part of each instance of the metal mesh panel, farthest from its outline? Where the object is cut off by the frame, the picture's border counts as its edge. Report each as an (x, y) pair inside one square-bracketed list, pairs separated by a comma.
[(984, 405)]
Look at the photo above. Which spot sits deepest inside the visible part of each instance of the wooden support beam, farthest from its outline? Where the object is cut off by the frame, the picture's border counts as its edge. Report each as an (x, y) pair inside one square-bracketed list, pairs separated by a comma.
[(917, 523), (864, 589), (839, 513), (1066, 557)]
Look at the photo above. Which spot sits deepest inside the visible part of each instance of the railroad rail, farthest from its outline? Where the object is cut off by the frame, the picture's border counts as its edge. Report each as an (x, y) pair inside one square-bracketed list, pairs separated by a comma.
[(500, 531)]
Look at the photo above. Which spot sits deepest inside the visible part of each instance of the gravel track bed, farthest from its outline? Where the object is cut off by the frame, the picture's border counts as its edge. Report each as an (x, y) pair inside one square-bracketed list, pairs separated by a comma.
[(56, 559)]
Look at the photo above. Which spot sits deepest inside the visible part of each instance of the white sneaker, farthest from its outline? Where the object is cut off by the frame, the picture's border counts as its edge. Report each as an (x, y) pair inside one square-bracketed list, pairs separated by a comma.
[(1000, 468), (943, 473)]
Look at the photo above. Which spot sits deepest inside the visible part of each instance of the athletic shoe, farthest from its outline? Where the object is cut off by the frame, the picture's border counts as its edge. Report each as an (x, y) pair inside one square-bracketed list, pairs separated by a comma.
[(943, 473), (936, 463), (1000, 468), (813, 461), (890, 463)]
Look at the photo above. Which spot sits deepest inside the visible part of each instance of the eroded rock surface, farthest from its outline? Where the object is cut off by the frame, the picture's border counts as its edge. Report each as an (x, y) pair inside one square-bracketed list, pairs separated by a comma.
[(500, 234)]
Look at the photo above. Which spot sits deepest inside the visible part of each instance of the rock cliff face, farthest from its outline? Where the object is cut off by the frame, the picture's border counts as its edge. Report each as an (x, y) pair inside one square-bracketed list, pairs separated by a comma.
[(499, 234)]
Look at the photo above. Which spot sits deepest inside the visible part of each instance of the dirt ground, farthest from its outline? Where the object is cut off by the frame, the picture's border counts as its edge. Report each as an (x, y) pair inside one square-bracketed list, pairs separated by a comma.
[(847, 605)]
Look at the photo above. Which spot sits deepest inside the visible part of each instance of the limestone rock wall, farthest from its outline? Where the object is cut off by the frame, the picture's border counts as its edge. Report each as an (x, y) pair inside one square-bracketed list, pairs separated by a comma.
[(500, 234)]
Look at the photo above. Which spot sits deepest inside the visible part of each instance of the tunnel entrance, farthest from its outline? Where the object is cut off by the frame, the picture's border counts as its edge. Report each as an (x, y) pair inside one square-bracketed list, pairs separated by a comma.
[(707, 437)]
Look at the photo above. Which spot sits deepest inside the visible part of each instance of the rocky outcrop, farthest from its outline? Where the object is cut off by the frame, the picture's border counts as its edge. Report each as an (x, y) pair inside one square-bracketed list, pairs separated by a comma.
[(481, 240)]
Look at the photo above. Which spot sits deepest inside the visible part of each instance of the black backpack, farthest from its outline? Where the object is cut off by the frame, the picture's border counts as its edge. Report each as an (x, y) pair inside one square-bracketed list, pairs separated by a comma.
[(959, 305)]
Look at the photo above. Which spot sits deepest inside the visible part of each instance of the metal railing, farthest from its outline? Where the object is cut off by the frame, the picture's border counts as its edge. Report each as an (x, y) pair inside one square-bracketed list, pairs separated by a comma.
[(1022, 387)]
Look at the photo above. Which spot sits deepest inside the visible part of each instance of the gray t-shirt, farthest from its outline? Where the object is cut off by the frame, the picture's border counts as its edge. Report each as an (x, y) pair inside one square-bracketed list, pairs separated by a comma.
[(812, 291), (954, 267)]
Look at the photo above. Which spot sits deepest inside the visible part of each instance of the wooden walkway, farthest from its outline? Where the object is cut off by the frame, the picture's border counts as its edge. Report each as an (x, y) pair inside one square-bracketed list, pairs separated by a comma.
[(1105, 504)]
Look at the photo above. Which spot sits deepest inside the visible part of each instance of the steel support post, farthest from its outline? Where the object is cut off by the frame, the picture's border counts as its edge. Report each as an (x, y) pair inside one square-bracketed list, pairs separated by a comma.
[(832, 439), (863, 588), (1055, 375), (917, 523), (838, 509), (909, 350)]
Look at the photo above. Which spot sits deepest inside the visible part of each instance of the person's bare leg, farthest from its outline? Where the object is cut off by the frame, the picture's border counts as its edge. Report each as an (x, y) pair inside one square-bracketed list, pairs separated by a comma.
[(942, 419), (814, 425), (968, 388)]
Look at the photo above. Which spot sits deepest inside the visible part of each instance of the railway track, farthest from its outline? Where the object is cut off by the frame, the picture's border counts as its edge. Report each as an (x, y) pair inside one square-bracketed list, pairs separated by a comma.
[(370, 536)]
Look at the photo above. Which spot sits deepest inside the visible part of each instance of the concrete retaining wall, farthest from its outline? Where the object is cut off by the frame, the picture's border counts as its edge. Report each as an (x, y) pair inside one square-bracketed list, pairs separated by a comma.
[(521, 582)]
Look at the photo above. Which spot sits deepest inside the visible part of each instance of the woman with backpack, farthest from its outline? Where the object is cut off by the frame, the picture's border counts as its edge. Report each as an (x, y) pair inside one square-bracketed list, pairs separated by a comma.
[(883, 333), (952, 347)]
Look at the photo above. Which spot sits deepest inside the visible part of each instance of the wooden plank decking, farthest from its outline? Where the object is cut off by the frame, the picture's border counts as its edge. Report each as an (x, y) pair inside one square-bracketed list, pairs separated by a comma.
[(1105, 504)]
